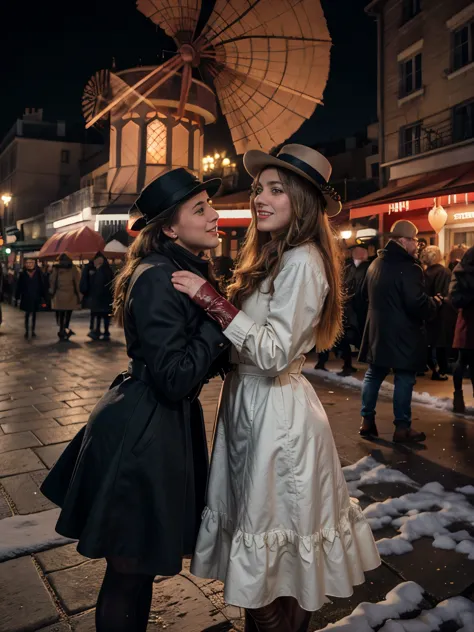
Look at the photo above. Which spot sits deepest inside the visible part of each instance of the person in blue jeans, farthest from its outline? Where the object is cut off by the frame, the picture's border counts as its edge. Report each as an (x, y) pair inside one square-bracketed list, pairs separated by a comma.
[(394, 336)]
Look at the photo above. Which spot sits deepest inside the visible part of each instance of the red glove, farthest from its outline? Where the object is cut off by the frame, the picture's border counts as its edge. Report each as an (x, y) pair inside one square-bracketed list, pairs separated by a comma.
[(215, 305)]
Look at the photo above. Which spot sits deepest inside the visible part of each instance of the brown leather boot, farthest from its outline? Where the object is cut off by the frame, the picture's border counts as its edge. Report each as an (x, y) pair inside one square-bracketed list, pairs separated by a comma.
[(408, 435), (368, 428)]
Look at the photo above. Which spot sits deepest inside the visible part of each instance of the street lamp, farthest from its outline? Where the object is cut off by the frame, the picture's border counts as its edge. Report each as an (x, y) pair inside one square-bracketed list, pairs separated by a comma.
[(6, 198)]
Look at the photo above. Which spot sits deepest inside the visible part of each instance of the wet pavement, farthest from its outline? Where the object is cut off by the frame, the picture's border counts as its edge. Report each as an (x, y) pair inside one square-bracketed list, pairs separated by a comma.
[(47, 390)]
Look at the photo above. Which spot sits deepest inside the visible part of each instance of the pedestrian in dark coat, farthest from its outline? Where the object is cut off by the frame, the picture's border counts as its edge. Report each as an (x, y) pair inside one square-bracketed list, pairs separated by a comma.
[(394, 336), (132, 484), (31, 292), (355, 307), (96, 287), (461, 295), (440, 329)]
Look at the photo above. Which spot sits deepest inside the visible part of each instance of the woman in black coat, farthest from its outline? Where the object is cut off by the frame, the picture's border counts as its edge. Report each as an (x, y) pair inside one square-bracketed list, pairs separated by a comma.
[(30, 291), (440, 329), (132, 484), (96, 288), (461, 295)]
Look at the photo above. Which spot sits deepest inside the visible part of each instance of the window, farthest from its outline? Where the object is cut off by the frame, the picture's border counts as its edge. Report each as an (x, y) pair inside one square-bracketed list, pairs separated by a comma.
[(410, 9), (375, 169), (410, 75), (410, 138), (65, 156), (156, 142), (463, 44), (463, 121)]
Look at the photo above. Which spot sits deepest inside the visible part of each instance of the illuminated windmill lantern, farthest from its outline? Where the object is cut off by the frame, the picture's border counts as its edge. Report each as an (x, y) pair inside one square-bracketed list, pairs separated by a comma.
[(267, 63)]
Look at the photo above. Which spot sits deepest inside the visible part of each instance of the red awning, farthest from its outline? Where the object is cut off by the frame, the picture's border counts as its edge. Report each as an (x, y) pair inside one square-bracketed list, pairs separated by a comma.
[(82, 243), (454, 185)]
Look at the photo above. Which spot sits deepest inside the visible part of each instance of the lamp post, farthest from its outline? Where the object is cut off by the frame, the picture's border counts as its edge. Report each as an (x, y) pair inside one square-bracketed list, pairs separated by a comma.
[(6, 199)]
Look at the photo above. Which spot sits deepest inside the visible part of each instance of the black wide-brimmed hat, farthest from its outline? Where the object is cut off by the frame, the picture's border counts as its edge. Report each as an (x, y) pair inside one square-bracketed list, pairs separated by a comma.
[(304, 161), (159, 198)]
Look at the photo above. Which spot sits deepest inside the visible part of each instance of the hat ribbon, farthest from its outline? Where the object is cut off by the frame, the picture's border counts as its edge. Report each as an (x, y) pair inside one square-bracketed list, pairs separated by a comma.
[(303, 166)]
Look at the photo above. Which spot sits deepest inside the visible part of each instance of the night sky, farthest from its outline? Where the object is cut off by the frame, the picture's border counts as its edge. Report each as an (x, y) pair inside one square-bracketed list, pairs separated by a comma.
[(49, 50)]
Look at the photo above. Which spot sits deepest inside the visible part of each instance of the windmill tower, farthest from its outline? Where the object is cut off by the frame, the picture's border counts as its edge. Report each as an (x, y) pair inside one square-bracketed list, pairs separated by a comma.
[(267, 63)]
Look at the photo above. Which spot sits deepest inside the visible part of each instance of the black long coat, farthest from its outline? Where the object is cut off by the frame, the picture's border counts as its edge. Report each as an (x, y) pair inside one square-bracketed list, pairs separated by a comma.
[(394, 335), (132, 484), (440, 330), (355, 308), (30, 290), (461, 295), (96, 288)]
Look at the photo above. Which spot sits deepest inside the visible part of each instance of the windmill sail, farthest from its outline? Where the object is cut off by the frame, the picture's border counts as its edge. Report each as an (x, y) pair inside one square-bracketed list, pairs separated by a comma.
[(178, 18), (270, 62)]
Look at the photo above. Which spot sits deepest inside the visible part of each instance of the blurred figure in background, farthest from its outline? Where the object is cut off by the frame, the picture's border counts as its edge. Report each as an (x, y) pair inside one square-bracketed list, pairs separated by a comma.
[(461, 295), (355, 307), (65, 293), (31, 292), (440, 330), (456, 254), (96, 286)]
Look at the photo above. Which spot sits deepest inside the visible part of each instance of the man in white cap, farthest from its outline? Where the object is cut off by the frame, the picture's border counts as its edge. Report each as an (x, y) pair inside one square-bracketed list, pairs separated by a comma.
[(394, 336)]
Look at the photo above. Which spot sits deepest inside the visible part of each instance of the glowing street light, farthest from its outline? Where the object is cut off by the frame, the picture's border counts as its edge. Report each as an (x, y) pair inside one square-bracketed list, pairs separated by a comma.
[(217, 156), (225, 162), (6, 198)]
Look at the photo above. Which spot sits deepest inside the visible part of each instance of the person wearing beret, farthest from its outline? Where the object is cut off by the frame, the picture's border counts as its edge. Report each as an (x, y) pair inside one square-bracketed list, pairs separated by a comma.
[(280, 529), (131, 485)]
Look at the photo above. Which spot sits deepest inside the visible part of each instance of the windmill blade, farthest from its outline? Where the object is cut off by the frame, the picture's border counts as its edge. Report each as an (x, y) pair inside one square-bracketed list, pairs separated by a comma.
[(270, 66), (178, 18)]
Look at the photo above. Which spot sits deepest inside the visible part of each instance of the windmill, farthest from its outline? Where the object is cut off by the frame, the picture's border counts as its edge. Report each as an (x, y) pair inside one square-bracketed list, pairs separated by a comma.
[(266, 61)]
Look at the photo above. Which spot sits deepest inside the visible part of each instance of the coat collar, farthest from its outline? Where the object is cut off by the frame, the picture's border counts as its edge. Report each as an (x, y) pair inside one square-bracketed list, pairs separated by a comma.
[(394, 252)]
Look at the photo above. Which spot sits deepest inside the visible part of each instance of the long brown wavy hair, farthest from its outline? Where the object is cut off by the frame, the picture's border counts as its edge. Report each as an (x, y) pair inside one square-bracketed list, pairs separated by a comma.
[(145, 244), (261, 255)]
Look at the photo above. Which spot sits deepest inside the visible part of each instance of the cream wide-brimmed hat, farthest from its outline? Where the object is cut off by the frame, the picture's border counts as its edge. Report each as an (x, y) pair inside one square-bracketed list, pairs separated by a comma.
[(304, 161)]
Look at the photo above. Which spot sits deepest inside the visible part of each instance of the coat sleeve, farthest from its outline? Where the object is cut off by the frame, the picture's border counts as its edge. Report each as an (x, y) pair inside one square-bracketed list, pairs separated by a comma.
[(177, 363), (294, 311), (19, 286), (417, 302), (460, 294)]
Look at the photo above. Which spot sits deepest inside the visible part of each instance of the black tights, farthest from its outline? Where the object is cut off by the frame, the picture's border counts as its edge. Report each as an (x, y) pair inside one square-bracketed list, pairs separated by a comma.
[(27, 321), (465, 360), (283, 615), (96, 318), (124, 601), (64, 317)]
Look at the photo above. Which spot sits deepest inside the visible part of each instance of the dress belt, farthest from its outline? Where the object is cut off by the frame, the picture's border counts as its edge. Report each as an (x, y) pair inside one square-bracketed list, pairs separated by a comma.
[(295, 368)]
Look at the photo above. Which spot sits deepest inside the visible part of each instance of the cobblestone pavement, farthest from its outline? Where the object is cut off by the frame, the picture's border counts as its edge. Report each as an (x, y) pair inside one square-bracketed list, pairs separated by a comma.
[(48, 388)]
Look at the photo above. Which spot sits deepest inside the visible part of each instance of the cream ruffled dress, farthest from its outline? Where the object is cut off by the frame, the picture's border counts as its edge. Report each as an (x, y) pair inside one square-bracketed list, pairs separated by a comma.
[(279, 520)]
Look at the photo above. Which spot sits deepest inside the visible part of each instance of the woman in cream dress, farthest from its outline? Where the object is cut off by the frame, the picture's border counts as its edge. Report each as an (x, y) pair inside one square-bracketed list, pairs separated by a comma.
[(280, 529)]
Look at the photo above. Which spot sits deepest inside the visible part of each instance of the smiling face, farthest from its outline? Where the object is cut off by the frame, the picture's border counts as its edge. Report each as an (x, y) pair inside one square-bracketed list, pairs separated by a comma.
[(194, 226), (271, 204)]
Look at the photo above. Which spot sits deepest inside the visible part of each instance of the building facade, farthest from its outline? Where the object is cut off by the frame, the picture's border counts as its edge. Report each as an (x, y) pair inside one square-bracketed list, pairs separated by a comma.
[(426, 116), (39, 162)]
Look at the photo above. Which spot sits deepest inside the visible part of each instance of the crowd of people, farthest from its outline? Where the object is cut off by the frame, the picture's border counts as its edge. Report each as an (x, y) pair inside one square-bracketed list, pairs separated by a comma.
[(408, 311), (63, 288)]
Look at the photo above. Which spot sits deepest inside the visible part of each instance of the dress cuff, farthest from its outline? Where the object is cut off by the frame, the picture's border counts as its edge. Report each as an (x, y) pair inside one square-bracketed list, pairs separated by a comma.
[(238, 330)]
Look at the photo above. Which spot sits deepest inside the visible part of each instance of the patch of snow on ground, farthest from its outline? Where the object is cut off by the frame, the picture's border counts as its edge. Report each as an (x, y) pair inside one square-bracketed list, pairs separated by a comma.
[(426, 512), (467, 489), (402, 600), (20, 535), (440, 403)]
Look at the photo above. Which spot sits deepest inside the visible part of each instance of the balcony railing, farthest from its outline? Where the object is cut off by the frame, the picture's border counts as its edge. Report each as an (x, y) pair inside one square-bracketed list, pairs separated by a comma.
[(431, 134), (75, 203)]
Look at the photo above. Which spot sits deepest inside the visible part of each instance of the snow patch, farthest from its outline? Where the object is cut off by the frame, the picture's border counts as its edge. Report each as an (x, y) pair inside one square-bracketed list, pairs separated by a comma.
[(467, 489), (402, 600), (20, 535), (426, 512)]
